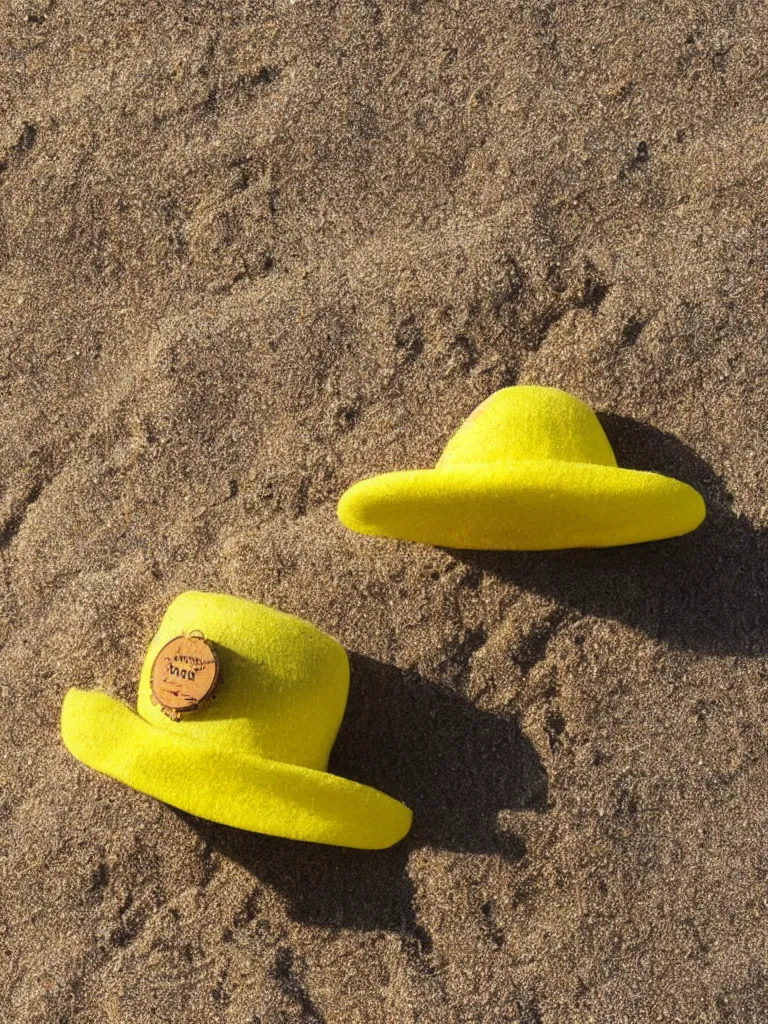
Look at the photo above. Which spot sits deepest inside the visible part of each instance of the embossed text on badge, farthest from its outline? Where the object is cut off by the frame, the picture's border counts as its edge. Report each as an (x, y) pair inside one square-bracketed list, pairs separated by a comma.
[(184, 673)]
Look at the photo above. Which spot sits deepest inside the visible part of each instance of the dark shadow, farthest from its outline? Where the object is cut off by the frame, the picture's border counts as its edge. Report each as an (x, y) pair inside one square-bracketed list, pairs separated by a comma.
[(706, 592), (455, 766)]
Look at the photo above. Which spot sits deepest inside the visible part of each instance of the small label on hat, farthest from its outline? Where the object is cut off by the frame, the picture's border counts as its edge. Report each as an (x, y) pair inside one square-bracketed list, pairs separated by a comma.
[(185, 672)]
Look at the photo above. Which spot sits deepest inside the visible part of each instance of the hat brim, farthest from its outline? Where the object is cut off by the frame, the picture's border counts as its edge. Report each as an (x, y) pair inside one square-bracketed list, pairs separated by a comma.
[(523, 506), (245, 791)]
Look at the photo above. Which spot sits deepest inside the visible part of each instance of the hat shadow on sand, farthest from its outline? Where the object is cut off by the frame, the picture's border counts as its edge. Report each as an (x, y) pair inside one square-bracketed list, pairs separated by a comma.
[(706, 592), (455, 766)]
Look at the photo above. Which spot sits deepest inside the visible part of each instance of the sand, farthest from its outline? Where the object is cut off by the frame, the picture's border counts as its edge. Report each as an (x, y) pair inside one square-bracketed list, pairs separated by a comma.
[(252, 252)]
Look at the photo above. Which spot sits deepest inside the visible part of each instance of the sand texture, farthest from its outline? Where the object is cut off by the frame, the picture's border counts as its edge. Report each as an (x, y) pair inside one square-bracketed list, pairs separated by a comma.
[(252, 252)]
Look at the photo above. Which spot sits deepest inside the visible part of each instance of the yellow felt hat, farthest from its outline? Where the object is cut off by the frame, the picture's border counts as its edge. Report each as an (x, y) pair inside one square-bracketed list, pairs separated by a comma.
[(530, 470), (255, 756)]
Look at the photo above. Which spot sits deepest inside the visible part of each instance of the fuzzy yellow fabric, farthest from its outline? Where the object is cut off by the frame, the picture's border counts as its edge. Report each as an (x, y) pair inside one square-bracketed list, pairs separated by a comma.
[(256, 756), (530, 469)]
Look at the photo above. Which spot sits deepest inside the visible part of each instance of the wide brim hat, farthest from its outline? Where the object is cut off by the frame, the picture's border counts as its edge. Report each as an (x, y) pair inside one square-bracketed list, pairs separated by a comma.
[(254, 755), (530, 469)]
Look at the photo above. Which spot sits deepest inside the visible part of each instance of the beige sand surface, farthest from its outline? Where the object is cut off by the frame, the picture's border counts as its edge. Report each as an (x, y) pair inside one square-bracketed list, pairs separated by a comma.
[(251, 252)]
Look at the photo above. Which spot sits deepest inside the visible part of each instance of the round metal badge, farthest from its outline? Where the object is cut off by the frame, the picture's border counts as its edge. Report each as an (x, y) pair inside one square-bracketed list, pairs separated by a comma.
[(184, 673)]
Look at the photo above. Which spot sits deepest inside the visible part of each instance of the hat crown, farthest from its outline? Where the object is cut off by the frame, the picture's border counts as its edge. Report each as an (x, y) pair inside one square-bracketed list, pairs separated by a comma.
[(529, 423), (282, 686)]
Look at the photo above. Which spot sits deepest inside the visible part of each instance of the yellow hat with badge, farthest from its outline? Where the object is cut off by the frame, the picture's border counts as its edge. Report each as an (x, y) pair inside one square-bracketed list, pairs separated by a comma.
[(238, 709), (530, 469)]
